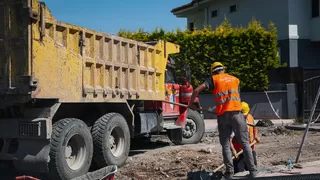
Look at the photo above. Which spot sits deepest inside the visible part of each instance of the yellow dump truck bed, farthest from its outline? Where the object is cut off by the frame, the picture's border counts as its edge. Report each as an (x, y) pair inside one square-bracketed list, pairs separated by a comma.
[(43, 58)]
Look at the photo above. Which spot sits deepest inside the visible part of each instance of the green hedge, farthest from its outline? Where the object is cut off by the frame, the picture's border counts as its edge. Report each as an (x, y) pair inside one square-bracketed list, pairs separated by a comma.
[(247, 52)]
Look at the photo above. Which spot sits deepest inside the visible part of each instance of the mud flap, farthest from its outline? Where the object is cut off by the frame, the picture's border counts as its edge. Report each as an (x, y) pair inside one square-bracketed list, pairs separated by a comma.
[(175, 134)]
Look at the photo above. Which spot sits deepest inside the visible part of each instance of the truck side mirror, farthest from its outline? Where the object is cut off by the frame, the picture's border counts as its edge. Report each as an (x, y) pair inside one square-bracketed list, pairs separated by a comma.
[(188, 73)]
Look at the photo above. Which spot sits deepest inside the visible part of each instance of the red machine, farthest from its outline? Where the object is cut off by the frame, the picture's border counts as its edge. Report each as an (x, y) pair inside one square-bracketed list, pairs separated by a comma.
[(192, 121), (176, 116), (26, 178)]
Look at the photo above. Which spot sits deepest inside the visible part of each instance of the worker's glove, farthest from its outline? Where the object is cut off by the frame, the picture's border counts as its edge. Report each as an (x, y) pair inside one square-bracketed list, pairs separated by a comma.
[(234, 153)]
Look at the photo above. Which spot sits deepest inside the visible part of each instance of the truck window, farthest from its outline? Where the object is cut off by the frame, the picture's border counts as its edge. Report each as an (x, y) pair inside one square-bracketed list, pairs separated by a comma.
[(170, 75), (171, 71)]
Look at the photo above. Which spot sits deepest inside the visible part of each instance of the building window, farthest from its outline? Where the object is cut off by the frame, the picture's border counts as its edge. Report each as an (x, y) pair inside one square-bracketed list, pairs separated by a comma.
[(233, 8), (315, 8), (191, 26), (214, 13)]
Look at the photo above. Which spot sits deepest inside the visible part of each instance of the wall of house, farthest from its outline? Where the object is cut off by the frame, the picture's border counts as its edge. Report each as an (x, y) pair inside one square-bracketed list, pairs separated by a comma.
[(308, 53), (263, 11), (315, 28), (299, 19), (302, 52), (197, 19), (291, 17)]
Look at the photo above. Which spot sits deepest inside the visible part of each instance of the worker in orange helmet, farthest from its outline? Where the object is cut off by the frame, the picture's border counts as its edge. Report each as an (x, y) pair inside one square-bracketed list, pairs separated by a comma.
[(238, 162), (226, 92)]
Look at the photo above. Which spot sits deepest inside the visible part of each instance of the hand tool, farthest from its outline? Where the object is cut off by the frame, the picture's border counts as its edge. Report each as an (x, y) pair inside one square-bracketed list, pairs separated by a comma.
[(240, 152), (198, 109)]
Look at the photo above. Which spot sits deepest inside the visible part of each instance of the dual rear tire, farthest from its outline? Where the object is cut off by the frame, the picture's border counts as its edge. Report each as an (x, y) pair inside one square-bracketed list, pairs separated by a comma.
[(73, 146), (111, 139)]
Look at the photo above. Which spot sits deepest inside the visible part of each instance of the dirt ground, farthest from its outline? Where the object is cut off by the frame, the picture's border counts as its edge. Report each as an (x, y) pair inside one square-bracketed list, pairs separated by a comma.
[(159, 159)]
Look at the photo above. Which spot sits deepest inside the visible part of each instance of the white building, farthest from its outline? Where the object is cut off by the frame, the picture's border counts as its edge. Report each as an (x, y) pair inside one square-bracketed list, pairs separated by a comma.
[(297, 22)]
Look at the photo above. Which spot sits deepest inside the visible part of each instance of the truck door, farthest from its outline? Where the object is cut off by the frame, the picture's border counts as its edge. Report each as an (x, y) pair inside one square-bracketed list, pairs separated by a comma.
[(172, 92)]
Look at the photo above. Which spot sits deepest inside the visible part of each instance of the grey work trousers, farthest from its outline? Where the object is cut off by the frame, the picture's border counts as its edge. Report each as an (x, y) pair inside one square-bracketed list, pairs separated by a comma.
[(236, 122)]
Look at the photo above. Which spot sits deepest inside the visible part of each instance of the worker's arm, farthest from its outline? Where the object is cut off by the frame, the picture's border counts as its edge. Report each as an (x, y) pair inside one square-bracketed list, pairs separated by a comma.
[(231, 145), (195, 93), (233, 150), (255, 133), (207, 84)]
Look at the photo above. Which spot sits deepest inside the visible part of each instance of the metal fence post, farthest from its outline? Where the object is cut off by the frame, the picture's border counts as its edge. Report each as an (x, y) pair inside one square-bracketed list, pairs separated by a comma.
[(308, 125)]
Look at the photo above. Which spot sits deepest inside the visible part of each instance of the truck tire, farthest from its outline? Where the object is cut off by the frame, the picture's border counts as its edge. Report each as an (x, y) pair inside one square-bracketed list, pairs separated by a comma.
[(111, 140), (71, 149), (193, 131)]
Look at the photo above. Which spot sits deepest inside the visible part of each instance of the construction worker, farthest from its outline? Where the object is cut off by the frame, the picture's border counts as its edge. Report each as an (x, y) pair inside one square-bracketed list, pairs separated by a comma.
[(239, 163), (226, 92)]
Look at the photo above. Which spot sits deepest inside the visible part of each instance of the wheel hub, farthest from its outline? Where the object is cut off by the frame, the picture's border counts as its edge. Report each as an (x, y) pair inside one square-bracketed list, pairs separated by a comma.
[(190, 128), (68, 151), (116, 141), (75, 152)]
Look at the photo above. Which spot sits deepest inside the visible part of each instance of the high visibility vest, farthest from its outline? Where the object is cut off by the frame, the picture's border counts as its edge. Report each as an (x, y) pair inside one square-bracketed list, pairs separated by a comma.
[(238, 146), (226, 93)]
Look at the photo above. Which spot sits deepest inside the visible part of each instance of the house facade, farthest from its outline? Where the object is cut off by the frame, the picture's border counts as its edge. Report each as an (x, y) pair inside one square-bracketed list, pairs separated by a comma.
[(297, 22)]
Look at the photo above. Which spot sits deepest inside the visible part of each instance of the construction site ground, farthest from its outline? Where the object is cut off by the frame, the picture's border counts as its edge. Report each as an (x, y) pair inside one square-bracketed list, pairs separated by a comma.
[(157, 158)]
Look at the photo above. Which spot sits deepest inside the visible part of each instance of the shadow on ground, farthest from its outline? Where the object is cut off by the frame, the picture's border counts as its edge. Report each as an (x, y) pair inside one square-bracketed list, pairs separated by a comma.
[(141, 145), (204, 175)]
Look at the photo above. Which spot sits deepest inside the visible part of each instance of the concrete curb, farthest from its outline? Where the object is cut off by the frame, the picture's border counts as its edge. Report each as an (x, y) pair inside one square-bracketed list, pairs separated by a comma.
[(302, 127), (280, 170), (212, 126)]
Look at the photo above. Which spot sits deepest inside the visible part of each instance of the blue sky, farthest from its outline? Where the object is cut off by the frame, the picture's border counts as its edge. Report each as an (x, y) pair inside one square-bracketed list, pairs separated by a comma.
[(111, 15)]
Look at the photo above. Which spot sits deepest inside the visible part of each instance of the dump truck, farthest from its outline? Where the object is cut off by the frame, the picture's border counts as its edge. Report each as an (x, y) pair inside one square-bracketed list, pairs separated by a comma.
[(72, 98)]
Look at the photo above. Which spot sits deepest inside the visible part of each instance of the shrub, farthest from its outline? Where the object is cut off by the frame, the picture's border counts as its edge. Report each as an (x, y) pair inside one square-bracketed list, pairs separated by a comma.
[(247, 52)]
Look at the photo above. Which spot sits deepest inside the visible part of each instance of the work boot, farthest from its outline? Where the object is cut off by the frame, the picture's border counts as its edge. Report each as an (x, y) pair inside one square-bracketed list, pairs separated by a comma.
[(253, 174), (228, 175)]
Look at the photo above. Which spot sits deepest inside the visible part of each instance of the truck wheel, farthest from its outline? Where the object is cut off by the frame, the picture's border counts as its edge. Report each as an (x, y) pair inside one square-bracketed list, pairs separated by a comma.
[(71, 149), (194, 129), (111, 140)]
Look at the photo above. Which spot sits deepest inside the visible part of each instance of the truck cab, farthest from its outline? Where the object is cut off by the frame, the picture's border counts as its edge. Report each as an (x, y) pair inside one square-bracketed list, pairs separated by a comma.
[(192, 121)]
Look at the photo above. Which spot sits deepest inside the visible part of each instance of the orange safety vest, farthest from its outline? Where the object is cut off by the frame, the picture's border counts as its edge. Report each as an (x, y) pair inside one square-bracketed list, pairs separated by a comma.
[(226, 93), (236, 145)]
